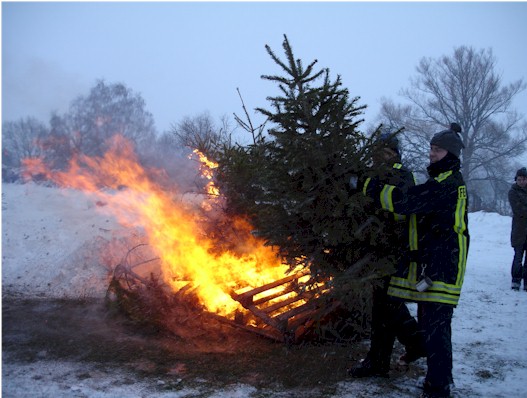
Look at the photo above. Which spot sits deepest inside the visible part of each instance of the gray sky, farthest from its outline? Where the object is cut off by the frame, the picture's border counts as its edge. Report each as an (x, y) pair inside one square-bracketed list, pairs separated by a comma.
[(187, 58)]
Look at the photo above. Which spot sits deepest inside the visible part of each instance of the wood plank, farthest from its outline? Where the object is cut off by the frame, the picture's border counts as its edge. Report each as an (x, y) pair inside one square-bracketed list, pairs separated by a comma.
[(251, 293)]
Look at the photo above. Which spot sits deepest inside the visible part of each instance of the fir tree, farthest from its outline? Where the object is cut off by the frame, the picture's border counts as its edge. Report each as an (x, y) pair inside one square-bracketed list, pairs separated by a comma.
[(293, 184)]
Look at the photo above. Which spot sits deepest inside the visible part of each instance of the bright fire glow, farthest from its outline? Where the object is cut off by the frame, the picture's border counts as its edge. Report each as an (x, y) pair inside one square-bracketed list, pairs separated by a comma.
[(172, 228)]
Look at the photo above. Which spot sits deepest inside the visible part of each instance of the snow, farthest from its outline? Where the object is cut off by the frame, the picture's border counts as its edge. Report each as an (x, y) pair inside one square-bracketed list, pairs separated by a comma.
[(53, 243)]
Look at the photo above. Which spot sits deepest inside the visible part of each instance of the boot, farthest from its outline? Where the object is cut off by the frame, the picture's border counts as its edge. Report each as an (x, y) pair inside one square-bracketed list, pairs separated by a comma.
[(368, 369), (410, 356)]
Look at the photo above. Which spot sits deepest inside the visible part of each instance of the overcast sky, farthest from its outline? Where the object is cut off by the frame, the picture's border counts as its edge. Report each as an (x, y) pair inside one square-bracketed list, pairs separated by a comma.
[(188, 58)]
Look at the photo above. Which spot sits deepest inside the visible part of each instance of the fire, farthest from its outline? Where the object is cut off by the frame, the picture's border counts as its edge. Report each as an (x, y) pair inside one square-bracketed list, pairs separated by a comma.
[(207, 171), (173, 229)]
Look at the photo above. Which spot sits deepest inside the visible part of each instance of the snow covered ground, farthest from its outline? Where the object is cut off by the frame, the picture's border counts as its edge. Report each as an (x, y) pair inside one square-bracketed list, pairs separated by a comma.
[(52, 246)]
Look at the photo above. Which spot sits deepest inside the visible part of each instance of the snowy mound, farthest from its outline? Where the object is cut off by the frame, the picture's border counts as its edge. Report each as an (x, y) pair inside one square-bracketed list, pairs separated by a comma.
[(55, 243)]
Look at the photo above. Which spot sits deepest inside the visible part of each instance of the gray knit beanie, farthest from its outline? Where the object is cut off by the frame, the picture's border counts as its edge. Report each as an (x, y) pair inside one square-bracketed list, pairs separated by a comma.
[(521, 173), (449, 140)]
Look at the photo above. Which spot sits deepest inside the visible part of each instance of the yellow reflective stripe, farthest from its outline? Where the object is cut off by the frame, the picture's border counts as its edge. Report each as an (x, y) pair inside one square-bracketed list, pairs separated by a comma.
[(408, 282), (460, 227), (399, 217), (443, 176), (395, 281), (397, 166), (440, 292), (412, 232), (429, 295), (412, 275), (386, 197), (446, 288), (365, 187)]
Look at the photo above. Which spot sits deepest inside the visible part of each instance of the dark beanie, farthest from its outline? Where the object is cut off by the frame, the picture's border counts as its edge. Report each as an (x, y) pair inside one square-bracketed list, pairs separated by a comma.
[(521, 173), (449, 140), (389, 141)]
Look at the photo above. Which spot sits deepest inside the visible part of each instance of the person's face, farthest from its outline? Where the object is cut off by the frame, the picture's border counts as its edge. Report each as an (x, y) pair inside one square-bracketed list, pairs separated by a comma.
[(521, 181), (437, 153)]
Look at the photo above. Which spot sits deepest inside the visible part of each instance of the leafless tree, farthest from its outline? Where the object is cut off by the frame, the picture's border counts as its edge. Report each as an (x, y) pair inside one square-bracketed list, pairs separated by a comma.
[(464, 88), (21, 139), (109, 109), (201, 133)]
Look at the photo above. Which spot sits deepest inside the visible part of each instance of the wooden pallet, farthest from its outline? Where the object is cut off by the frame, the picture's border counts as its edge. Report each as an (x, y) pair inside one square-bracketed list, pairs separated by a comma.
[(287, 307)]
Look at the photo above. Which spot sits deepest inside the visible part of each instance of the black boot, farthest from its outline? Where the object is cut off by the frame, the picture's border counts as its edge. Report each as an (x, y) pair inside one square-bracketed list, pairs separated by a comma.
[(368, 369), (410, 356)]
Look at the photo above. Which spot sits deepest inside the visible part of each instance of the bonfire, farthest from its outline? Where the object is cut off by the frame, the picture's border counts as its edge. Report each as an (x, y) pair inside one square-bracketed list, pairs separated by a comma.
[(183, 265)]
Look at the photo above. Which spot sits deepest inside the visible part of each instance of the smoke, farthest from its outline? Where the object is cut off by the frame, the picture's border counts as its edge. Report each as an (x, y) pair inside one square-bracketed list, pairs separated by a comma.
[(37, 88)]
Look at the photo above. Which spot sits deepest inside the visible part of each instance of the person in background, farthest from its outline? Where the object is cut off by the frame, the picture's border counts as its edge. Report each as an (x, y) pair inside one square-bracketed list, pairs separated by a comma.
[(391, 319), (434, 280), (518, 202)]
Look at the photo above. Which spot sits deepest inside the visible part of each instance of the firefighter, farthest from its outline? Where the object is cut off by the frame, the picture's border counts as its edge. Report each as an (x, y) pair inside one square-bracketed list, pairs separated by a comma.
[(391, 319), (435, 278)]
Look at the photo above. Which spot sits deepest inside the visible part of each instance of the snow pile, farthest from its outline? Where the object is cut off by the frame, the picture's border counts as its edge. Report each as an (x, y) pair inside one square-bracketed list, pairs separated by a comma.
[(56, 244)]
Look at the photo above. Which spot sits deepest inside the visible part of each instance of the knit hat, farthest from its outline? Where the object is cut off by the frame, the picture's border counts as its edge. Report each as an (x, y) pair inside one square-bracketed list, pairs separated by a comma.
[(449, 140), (521, 173)]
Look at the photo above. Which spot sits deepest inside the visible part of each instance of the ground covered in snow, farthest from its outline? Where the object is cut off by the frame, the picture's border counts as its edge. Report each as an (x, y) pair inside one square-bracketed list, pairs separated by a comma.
[(59, 339)]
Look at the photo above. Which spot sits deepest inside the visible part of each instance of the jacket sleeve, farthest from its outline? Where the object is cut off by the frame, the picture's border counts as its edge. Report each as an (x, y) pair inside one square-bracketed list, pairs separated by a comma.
[(424, 198), (519, 207)]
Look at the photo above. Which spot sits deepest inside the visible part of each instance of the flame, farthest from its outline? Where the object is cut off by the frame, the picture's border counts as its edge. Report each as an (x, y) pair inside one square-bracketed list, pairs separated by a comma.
[(173, 229), (207, 171)]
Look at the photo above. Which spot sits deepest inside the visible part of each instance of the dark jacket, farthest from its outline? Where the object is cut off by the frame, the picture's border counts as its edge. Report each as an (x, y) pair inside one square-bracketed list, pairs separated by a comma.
[(518, 202), (394, 226), (441, 205)]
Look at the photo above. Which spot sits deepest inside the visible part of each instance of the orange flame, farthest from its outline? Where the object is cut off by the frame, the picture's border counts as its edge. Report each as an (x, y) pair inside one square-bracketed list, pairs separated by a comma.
[(173, 229), (207, 171)]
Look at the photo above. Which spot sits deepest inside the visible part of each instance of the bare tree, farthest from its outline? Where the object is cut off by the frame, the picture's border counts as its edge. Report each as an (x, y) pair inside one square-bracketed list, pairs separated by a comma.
[(109, 110), (463, 88), (21, 139), (200, 132)]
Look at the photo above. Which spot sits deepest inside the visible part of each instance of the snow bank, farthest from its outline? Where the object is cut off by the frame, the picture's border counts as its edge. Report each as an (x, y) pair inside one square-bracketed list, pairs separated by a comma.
[(54, 243)]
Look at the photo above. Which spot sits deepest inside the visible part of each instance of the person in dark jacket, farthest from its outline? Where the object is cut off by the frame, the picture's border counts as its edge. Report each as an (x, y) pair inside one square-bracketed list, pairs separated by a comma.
[(390, 319), (518, 202), (435, 278)]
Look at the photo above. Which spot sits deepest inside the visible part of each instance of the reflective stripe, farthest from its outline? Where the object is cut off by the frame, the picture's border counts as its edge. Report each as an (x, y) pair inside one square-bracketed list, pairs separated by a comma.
[(399, 217), (460, 227), (386, 197), (365, 187), (412, 232), (443, 176), (429, 295)]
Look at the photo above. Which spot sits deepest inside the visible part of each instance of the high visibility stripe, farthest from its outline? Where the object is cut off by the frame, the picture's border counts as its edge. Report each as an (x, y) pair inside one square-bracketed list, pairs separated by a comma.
[(399, 217), (429, 295), (365, 187), (412, 232), (460, 227), (386, 197), (443, 176)]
